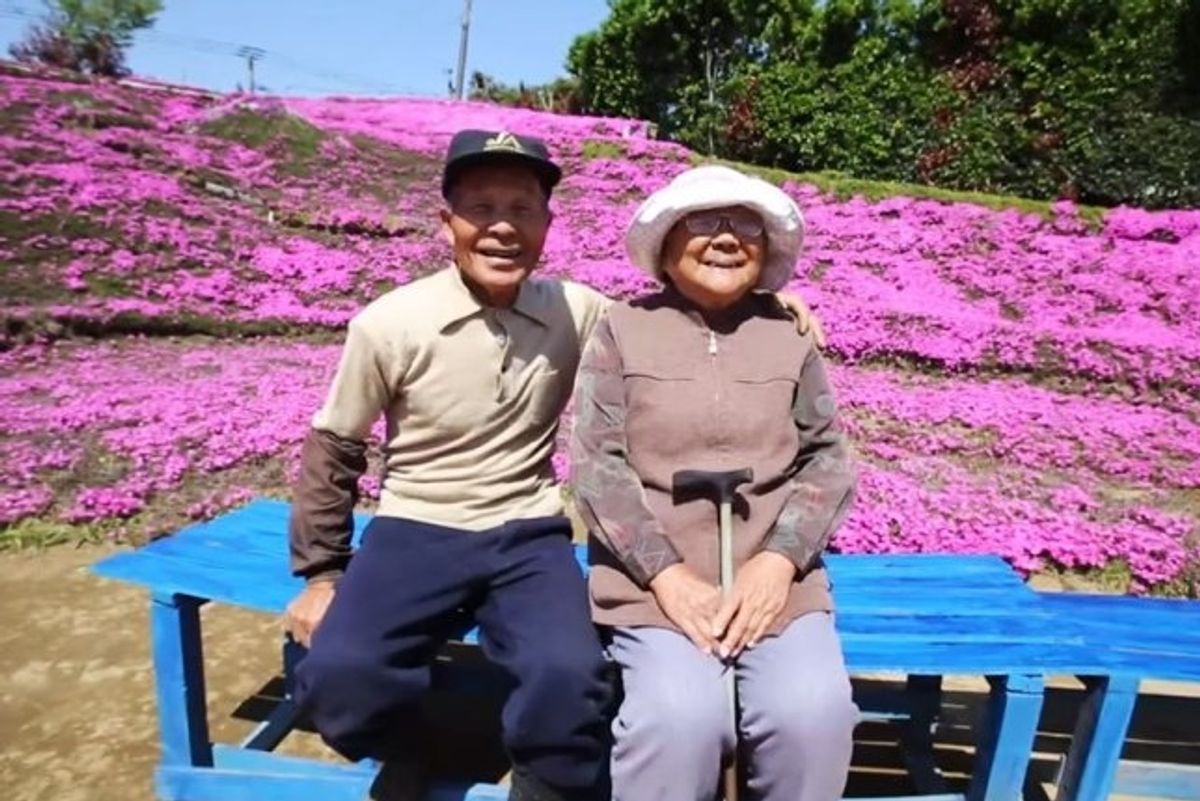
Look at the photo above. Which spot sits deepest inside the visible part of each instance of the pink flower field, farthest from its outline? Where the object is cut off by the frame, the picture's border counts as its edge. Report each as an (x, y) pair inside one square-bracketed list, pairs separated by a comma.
[(176, 268)]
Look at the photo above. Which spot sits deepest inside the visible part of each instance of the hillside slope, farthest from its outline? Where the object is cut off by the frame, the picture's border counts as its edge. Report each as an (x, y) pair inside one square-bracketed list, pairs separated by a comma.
[(1018, 382)]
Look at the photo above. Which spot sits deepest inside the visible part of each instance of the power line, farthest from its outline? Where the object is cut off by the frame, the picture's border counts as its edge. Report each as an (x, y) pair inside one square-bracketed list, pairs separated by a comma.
[(240, 50), (251, 54)]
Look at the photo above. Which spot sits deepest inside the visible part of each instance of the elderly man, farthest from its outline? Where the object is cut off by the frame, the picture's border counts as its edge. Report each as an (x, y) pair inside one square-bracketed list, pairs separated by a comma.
[(471, 368)]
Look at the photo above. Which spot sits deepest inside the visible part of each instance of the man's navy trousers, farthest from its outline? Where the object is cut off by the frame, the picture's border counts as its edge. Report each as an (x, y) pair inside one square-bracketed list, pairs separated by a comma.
[(403, 596)]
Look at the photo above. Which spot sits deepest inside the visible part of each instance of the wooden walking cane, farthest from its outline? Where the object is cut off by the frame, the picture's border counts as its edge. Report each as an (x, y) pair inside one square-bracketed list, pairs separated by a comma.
[(722, 488)]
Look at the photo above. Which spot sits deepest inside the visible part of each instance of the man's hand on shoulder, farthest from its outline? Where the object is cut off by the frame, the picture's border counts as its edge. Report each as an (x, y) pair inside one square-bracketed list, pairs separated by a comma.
[(307, 610), (805, 318)]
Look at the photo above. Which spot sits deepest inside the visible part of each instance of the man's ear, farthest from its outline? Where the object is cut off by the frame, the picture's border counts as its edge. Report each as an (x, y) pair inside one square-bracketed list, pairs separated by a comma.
[(444, 215)]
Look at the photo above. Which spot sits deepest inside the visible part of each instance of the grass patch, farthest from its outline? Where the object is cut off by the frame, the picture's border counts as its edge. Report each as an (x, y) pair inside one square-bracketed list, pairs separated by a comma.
[(38, 533), (89, 119), (1115, 577), (18, 286), (399, 169), (154, 207), (95, 112), (15, 227), (14, 117), (397, 158), (843, 186), (106, 286), (295, 143), (33, 155), (37, 326), (79, 98), (602, 149)]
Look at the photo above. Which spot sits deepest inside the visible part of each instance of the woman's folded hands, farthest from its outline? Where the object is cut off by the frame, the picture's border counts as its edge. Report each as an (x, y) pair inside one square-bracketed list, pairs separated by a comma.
[(726, 627)]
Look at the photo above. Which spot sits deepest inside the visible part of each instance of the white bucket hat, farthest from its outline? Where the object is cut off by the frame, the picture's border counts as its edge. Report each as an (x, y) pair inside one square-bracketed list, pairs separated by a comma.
[(714, 187)]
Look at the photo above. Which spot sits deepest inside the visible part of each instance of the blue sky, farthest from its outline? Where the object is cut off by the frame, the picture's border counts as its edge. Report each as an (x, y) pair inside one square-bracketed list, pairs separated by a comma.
[(317, 47)]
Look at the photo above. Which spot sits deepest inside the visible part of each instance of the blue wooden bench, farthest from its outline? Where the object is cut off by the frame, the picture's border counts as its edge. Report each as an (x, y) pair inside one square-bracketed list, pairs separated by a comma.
[(1132, 639), (924, 616)]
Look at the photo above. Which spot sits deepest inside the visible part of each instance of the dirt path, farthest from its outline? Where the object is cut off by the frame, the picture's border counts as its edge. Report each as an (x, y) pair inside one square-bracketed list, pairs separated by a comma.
[(77, 717)]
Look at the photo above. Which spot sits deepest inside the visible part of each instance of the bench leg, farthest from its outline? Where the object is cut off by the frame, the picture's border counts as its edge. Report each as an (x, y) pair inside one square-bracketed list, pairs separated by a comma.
[(1089, 772), (293, 652), (1006, 742), (179, 680), (279, 724), (916, 737)]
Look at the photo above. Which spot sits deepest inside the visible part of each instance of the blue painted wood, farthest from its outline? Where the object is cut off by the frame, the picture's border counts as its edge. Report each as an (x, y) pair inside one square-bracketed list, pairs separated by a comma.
[(219, 784), (168, 575), (233, 758), (917, 733), (936, 656), (261, 527), (948, 612), (200, 545), (227, 560), (1153, 780), (925, 614), (1102, 605), (271, 566), (273, 515), (894, 703), (1006, 741), (1032, 628), (1149, 625), (962, 603), (1090, 769), (870, 716), (268, 734), (938, 797), (179, 680), (215, 784), (293, 652)]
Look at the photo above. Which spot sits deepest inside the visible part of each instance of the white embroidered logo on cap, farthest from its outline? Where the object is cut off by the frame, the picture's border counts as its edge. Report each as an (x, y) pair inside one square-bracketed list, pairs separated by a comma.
[(504, 141)]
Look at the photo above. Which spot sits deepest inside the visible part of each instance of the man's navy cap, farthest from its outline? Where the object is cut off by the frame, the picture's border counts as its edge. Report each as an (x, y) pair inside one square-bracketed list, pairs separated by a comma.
[(471, 147)]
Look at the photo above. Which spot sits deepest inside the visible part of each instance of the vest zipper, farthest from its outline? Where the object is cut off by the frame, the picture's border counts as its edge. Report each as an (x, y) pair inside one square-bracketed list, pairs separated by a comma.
[(716, 379)]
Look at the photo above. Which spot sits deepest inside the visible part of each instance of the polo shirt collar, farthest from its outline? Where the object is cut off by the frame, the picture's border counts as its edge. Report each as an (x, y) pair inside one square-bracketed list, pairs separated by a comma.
[(459, 304)]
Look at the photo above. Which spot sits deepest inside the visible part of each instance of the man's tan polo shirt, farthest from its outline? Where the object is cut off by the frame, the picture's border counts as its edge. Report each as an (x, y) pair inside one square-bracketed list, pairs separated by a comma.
[(471, 395)]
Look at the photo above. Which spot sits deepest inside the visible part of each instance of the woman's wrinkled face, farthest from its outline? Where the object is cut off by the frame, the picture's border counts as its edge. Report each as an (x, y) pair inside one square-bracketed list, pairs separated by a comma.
[(715, 257)]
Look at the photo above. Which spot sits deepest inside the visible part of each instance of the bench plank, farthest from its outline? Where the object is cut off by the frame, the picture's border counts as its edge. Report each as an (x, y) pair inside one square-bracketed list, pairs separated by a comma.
[(1151, 780), (205, 784)]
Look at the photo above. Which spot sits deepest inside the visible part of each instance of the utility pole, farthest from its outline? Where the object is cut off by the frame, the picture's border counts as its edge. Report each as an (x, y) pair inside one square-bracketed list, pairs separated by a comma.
[(460, 82), (251, 54)]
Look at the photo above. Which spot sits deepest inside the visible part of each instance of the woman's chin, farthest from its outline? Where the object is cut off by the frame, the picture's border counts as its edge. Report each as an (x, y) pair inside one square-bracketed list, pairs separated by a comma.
[(725, 291)]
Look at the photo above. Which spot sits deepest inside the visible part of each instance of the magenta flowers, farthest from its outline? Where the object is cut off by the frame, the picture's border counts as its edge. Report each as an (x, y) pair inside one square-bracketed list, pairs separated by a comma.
[(1016, 383)]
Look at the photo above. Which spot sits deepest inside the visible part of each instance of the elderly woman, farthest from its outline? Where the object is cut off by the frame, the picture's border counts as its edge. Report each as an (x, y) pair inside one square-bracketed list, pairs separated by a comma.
[(708, 374)]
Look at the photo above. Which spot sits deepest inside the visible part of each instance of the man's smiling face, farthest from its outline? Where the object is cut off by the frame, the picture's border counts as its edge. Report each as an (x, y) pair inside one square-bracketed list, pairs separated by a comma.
[(497, 221)]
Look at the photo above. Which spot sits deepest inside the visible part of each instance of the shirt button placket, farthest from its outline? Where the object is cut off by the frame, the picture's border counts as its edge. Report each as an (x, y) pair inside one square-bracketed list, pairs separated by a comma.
[(500, 337)]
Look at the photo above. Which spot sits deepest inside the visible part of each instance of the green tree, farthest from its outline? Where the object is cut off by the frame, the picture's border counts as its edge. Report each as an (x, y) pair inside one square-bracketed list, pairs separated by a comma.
[(669, 61), (1082, 99), (560, 95), (86, 35), (1097, 100)]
